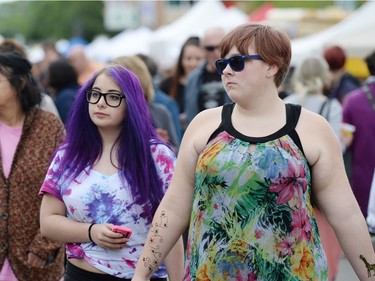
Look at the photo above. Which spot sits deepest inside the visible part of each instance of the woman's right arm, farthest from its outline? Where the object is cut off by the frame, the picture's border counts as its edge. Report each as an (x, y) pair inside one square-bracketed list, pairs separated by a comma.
[(56, 226)]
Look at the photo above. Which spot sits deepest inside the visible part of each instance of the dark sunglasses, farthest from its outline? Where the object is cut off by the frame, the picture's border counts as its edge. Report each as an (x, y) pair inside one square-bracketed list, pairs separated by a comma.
[(236, 63), (211, 48)]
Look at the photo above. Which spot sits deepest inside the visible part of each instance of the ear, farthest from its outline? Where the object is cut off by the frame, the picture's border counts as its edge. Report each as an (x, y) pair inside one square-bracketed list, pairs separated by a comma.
[(272, 70)]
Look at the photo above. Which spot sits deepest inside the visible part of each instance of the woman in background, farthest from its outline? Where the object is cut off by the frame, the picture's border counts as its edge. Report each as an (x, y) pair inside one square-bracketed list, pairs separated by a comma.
[(62, 80), (190, 57), (309, 79), (28, 137), (160, 115)]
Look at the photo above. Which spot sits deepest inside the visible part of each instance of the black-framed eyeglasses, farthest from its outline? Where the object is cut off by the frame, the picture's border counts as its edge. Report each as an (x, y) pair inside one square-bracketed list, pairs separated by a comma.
[(237, 63), (111, 99), (211, 48)]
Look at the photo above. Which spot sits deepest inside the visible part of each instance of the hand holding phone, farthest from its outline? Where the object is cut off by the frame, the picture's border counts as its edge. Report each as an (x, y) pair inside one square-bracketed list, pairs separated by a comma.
[(127, 232)]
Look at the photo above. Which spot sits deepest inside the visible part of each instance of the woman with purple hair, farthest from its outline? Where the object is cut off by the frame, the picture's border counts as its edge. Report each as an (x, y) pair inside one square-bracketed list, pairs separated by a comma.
[(112, 170)]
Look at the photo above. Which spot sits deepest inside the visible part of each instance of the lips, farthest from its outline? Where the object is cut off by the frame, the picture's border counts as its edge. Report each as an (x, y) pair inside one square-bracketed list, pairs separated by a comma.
[(228, 84), (100, 114)]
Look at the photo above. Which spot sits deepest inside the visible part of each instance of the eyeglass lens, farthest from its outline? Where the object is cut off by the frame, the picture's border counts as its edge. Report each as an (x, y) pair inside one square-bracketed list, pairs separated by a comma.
[(111, 99)]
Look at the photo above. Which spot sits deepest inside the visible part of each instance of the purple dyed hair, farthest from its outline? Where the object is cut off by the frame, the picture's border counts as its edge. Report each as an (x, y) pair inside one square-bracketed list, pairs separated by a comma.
[(83, 144)]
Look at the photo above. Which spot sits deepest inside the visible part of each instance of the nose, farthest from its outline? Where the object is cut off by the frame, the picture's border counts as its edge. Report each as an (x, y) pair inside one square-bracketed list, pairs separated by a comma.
[(227, 70), (101, 101)]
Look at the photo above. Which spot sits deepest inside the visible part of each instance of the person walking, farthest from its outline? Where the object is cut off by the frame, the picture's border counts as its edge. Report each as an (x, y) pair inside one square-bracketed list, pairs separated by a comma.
[(63, 85), (359, 111), (248, 175), (112, 170), (342, 81), (28, 137), (203, 88), (191, 56), (309, 80), (161, 117)]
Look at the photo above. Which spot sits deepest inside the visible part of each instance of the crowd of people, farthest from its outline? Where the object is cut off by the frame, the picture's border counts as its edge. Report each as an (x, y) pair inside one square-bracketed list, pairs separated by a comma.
[(218, 171)]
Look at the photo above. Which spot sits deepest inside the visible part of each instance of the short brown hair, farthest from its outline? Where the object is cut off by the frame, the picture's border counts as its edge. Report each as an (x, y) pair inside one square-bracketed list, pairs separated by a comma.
[(271, 44), (335, 57)]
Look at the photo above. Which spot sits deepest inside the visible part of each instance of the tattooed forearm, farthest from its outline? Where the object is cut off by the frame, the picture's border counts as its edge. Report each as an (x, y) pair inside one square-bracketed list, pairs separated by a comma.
[(370, 267), (151, 263)]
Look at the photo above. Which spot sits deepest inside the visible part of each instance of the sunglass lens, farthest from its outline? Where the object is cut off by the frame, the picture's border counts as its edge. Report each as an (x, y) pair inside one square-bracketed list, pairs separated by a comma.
[(237, 63), (220, 65)]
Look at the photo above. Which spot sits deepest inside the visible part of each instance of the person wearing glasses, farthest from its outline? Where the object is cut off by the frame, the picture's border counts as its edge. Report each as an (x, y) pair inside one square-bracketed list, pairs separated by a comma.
[(112, 170), (248, 175), (203, 88)]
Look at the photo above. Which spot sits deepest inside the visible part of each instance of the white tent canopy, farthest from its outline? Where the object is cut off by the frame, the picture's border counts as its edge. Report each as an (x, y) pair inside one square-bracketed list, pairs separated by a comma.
[(131, 42), (164, 43), (167, 40), (126, 43), (354, 34)]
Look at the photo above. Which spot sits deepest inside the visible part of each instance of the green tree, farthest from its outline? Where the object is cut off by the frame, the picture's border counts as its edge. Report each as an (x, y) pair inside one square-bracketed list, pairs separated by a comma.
[(39, 20)]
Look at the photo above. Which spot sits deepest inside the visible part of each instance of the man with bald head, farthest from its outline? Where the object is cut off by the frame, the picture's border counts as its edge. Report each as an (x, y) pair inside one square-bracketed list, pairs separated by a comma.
[(204, 88), (83, 65)]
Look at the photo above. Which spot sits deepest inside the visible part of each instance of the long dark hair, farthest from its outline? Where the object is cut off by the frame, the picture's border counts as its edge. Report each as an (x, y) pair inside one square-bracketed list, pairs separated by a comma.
[(179, 69), (83, 144), (18, 71)]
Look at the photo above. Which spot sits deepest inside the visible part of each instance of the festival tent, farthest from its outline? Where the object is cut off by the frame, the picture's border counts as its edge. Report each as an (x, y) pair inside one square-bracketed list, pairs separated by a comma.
[(354, 34), (167, 40), (131, 42), (98, 49), (126, 43), (164, 43)]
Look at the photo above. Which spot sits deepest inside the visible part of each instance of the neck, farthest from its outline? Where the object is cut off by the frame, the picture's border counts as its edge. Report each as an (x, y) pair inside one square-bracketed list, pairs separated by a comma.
[(12, 117), (336, 75), (109, 136)]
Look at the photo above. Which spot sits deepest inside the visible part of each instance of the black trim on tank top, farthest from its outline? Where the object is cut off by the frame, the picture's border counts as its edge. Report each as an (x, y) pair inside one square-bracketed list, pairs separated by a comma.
[(293, 112)]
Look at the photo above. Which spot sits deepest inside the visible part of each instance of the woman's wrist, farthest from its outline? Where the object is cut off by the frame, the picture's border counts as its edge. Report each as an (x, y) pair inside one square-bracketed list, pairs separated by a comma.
[(89, 232)]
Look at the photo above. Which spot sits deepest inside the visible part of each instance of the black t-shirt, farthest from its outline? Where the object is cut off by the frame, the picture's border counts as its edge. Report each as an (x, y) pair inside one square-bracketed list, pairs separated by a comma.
[(211, 93)]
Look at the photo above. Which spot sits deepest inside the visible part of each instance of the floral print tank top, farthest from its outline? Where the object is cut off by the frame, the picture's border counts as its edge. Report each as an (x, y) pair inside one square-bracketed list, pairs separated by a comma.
[(252, 216)]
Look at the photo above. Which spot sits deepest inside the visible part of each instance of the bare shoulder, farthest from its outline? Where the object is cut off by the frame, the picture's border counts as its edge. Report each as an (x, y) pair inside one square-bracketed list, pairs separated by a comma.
[(201, 128), (316, 135)]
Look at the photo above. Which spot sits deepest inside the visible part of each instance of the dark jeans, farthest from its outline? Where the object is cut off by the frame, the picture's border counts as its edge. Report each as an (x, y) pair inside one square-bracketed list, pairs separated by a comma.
[(73, 273)]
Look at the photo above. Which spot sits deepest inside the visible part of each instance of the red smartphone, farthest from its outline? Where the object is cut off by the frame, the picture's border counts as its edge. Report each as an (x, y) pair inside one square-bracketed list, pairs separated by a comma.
[(127, 232)]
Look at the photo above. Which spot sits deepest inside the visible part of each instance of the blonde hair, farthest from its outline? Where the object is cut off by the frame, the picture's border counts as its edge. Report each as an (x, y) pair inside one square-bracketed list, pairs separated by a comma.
[(139, 68), (311, 76)]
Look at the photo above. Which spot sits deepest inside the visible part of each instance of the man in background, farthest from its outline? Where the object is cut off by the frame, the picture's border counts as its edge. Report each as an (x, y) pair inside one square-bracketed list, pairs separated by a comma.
[(204, 88)]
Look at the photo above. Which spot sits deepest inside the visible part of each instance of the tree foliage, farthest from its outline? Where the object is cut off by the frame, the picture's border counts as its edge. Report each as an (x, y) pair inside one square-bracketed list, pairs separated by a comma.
[(39, 20)]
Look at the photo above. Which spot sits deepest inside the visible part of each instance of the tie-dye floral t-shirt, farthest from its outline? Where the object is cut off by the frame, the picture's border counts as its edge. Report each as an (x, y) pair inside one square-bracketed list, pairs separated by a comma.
[(94, 197), (252, 217)]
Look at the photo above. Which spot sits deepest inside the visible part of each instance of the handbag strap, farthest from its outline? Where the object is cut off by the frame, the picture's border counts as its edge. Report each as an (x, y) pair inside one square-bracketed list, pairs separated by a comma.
[(327, 102), (367, 91)]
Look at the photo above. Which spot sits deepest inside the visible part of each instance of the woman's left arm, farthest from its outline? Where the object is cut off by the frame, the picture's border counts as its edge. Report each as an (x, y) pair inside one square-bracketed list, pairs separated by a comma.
[(334, 195)]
